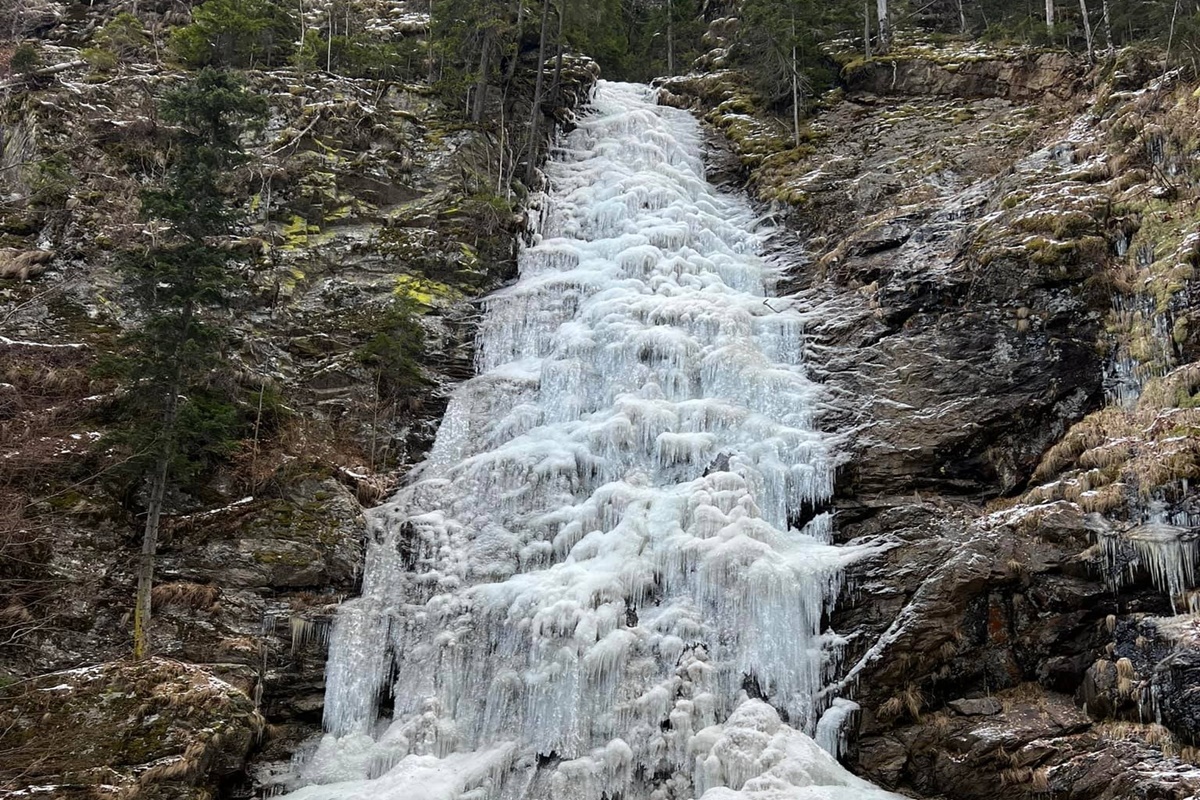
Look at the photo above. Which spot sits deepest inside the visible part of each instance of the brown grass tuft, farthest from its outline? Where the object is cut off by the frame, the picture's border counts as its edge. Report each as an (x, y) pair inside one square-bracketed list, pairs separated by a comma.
[(194, 596)]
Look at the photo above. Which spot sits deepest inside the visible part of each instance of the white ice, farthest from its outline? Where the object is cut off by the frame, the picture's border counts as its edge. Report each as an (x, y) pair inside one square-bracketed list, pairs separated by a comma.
[(598, 566)]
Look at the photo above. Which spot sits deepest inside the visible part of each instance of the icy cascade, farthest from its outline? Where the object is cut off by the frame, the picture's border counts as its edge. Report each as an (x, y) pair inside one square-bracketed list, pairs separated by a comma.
[(598, 566)]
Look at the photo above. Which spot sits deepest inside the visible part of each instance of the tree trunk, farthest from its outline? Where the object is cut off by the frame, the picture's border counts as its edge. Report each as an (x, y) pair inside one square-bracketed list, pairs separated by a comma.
[(558, 60), (670, 38), (535, 115), (512, 65), (1087, 29), (885, 26), (141, 609), (481, 83), (1050, 15), (429, 44), (962, 17), (795, 87), (866, 28), (158, 490), (1108, 37), (1171, 37)]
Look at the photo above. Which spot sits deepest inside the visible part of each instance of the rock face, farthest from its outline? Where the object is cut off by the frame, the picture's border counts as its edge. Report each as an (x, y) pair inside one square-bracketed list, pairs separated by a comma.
[(966, 225)]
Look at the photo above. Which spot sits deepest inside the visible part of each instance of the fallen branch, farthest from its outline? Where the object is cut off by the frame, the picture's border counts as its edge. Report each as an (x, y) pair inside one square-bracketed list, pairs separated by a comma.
[(43, 72)]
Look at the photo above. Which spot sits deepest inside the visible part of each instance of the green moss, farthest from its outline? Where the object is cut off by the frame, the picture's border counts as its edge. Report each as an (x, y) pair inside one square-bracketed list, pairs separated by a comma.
[(299, 234), (1048, 252), (1013, 200), (1179, 332)]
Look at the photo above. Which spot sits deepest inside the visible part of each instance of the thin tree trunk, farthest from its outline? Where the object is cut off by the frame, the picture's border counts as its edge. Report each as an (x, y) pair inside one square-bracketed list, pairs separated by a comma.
[(795, 87), (1087, 29), (1171, 37), (481, 83), (141, 609), (512, 65), (429, 44), (500, 159), (558, 61), (158, 490), (866, 28), (535, 115), (962, 17), (885, 26), (1050, 15), (1108, 37), (670, 38)]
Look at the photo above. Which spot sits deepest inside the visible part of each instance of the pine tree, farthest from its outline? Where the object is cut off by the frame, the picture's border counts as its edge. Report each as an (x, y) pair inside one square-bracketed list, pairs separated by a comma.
[(778, 46), (177, 284)]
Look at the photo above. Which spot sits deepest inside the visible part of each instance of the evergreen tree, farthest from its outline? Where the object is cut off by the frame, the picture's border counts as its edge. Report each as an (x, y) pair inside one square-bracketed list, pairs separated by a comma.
[(778, 45), (236, 33), (178, 284)]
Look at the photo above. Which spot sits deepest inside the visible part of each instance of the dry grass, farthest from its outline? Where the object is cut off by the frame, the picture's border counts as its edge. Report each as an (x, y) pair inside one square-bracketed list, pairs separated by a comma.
[(1016, 776), (908, 701), (192, 596), (1116, 456), (939, 722), (1150, 734)]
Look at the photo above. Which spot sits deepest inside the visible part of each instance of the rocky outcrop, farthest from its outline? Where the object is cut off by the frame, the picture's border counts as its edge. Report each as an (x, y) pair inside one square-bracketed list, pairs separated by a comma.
[(1017, 75), (153, 729)]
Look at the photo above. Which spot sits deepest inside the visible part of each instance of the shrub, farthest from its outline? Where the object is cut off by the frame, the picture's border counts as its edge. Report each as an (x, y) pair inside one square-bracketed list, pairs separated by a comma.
[(121, 40), (25, 59), (394, 350)]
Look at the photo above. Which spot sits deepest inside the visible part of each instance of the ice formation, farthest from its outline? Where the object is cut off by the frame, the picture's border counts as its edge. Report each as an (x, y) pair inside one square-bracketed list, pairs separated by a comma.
[(1165, 546), (598, 568)]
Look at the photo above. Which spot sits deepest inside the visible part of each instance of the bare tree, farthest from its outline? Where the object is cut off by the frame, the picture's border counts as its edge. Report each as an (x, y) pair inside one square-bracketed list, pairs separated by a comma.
[(885, 25), (535, 114), (1087, 30), (1108, 37)]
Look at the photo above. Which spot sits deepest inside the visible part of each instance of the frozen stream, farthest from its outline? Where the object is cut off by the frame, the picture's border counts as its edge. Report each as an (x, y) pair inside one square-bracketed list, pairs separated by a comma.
[(597, 571)]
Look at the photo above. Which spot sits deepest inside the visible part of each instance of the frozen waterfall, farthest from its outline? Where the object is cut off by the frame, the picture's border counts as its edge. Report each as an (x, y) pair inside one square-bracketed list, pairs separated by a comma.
[(595, 587)]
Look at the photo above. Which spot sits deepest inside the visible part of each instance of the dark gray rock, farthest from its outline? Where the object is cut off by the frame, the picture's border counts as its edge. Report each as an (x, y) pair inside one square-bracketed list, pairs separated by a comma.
[(976, 707)]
